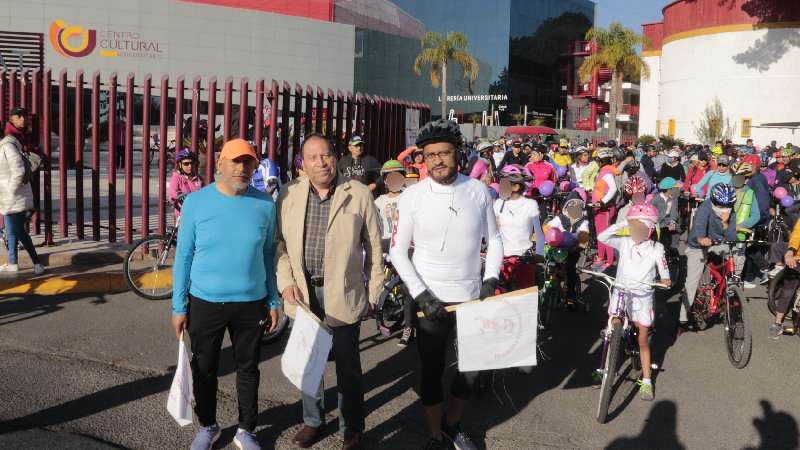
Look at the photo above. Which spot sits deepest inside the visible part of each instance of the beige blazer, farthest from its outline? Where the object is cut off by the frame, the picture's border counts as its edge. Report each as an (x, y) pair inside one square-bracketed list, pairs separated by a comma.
[(352, 249)]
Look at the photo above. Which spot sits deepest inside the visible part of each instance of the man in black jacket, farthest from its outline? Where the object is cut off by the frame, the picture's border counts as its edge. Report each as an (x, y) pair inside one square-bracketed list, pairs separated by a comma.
[(647, 161), (515, 156), (358, 166)]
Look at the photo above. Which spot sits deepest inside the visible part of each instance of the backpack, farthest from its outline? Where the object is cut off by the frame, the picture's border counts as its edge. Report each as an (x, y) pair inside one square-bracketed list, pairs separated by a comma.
[(30, 161), (266, 177)]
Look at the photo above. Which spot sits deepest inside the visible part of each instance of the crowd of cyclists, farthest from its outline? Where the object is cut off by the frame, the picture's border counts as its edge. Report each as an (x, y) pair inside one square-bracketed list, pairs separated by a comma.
[(648, 212)]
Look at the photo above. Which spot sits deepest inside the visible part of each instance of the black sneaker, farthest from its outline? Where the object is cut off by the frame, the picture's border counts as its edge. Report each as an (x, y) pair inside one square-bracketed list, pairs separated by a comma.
[(436, 444), (459, 439), (406, 337)]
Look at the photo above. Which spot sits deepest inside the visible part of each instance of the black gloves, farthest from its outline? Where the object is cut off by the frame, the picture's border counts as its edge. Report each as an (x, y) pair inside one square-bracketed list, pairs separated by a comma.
[(488, 288), (431, 306)]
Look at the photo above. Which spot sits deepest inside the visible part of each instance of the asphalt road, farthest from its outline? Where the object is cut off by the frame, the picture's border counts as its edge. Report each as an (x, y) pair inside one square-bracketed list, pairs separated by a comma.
[(93, 372)]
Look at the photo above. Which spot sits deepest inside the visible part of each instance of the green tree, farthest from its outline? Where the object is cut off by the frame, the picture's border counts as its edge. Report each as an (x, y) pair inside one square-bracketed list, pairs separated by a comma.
[(438, 51), (646, 139), (617, 52), (714, 126)]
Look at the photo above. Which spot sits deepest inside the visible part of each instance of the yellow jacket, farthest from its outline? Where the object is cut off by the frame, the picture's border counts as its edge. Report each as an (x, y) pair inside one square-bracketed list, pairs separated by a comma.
[(794, 238), (562, 160)]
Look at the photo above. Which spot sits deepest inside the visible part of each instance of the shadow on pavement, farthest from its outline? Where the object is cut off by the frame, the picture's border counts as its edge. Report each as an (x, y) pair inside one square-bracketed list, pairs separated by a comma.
[(659, 431), (18, 309), (777, 429)]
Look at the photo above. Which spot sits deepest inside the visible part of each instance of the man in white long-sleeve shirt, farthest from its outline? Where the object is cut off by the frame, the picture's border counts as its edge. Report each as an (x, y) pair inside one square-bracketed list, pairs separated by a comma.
[(446, 216)]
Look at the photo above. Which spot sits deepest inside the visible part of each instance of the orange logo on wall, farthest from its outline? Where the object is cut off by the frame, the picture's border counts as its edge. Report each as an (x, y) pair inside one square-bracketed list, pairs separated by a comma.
[(61, 33)]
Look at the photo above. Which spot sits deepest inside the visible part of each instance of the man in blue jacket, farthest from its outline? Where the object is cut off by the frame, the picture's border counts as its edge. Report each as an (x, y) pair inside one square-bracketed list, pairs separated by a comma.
[(714, 221)]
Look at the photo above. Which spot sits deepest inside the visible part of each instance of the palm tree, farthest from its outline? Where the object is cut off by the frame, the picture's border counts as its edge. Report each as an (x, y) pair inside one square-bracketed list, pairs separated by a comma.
[(438, 51), (616, 51)]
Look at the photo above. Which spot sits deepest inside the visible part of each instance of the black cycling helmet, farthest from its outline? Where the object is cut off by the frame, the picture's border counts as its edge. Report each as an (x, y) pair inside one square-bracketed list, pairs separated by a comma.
[(440, 130)]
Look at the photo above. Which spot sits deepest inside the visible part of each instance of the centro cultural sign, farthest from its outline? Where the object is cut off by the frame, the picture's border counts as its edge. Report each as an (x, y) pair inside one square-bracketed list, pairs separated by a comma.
[(73, 41)]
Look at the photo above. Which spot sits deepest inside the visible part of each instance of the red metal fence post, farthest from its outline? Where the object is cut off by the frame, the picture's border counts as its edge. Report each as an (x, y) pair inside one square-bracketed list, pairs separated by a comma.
[(329, 102), (47, 84), (146, 105), (285, 111), (112, 158), (258, 132), (162, 154), (308, 117), (212, 124), (79, 154), (179, 131), (129, 85), (338, 136), (63, 223), (3, 96), (95, 107), (348, 127), (321, 113), (244, 91), (226, 108), (296, 114), (272, 131), (36, 114), (195, 115)]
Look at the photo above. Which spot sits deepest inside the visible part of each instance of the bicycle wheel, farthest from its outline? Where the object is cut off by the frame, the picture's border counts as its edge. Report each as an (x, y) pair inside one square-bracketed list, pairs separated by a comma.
[(148, 267), (775, 285), (699, 309), (738, 335), (546, 306), (610, 373)]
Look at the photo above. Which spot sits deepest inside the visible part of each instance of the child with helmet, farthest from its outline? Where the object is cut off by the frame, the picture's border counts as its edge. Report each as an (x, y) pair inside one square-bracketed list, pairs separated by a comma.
[(573, 220), (184, 179), (640, 259)]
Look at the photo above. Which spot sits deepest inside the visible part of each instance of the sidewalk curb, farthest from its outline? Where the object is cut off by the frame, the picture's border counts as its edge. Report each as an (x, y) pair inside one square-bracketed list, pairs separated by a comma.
[(91, 283)]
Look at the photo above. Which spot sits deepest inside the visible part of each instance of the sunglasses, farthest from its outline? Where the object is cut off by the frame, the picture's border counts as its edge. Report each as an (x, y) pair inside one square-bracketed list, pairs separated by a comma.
[(186, 163)]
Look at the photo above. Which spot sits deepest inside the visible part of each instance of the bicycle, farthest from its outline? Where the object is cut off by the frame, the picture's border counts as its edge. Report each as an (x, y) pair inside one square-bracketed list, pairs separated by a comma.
[(720, 297), (620, 338), (389, 311), (777, 229), (793, 314)]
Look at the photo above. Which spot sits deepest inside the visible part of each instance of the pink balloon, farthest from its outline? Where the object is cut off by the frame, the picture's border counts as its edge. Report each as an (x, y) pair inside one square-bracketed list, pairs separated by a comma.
[(780, 193), (553, 237), (787, 201), (565, 186), (546, 188)]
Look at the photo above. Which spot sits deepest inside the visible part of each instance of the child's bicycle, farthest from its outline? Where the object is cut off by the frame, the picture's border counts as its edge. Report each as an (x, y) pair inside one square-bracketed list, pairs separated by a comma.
[(620, 338), (720, 297)]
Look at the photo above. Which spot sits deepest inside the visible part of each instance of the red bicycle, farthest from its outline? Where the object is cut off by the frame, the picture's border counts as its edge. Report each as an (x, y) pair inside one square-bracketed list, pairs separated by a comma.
[(720, 298)]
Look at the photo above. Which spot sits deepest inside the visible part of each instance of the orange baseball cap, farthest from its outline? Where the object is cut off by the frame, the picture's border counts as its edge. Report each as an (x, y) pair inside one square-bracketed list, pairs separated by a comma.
[(236, 148)]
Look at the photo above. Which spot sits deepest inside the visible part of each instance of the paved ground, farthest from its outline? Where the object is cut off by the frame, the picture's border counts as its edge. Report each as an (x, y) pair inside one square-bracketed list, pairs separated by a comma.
[(93, 372)]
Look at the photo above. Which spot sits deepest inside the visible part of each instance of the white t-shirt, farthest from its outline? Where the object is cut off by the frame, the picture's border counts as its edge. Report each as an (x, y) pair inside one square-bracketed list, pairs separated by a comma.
[(498, 158), (638, 263), (387, 207), (516, 220), (447, 224)]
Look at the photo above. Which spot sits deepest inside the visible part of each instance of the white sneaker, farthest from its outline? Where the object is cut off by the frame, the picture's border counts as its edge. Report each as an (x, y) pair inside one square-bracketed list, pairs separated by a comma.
[(38, 269), (749, 285), (775, 270), (11, 268)]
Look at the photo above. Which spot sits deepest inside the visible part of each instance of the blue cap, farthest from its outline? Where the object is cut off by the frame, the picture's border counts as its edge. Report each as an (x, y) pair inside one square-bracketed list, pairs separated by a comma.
[(356, 140)]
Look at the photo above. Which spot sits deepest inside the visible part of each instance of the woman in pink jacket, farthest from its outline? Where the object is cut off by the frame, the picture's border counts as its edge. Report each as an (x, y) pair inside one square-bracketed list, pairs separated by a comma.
[(603, 198), (184, 179), (540, 169)]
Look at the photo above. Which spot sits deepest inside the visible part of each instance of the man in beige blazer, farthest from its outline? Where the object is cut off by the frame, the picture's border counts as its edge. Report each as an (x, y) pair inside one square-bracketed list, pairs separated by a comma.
[(329, 242)]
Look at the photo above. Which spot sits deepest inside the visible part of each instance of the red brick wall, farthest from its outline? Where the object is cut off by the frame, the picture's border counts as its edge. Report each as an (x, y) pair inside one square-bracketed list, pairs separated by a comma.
[(311, 9)]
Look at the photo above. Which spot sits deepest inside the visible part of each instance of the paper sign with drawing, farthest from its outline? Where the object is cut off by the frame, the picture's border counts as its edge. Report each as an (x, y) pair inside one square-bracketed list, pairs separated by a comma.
[(498, 333), (306, 354)]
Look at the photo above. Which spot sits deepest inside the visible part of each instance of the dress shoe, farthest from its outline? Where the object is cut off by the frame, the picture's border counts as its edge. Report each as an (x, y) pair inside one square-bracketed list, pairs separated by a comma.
[(306, 437)]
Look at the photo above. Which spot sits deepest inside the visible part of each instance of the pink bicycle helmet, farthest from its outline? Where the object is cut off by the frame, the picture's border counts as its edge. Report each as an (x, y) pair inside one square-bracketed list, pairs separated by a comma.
[(644, 212), (511, 169)]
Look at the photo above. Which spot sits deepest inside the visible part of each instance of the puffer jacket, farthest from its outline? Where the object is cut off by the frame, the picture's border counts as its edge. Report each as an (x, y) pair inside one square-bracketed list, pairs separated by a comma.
[(14, 195)]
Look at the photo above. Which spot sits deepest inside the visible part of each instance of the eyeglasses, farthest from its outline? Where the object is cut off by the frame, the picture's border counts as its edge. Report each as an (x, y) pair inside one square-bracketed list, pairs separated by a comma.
[(186, 163), (441, 156)]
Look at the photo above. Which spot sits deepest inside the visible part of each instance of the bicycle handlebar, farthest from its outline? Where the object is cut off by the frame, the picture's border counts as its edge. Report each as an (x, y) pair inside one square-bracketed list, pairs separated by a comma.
[(613, 281)]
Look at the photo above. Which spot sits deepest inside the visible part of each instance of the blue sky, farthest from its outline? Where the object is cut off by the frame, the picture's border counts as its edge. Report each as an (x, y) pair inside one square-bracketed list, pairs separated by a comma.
[(632, 13)]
